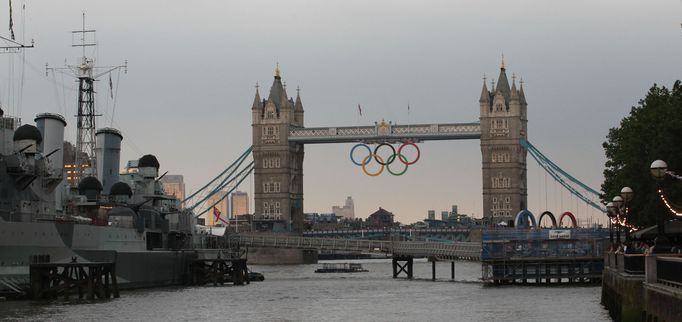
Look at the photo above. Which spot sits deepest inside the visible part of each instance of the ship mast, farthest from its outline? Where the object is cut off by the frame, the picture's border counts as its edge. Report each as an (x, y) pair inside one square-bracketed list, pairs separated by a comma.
[(86, 72)]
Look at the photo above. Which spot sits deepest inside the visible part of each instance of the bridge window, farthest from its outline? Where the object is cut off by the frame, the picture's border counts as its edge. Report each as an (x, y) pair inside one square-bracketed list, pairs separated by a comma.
[(271, 163), (266, 208), (499, 107), (277, 208), (276, 187), (270, 115)]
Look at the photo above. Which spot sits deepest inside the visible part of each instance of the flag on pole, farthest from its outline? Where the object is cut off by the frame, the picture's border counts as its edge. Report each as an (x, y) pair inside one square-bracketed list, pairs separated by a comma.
[(111, 87), (360, 109), (11, 23), (408, 108), (216, 214)]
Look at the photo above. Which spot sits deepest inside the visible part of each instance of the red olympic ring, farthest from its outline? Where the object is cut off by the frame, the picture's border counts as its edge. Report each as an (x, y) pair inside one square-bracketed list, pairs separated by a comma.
[(400, 149)]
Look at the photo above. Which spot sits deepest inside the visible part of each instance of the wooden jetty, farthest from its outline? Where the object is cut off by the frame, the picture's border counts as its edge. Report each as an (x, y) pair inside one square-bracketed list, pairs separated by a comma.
[(218, 271), (92, 280)]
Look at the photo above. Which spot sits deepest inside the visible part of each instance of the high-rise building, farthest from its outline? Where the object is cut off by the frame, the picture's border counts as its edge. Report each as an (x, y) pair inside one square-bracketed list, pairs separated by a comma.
[(221, 206), (431, 215), (72, 172), (174, 185), (347, 211), (239, 204)]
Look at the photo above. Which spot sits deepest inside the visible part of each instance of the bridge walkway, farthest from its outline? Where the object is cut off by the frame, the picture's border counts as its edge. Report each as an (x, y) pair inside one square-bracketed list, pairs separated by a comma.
[(440, 251)]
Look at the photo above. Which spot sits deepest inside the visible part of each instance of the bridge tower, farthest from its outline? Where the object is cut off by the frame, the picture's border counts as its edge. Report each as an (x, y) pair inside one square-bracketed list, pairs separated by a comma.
[(503, 122), (278, 164)]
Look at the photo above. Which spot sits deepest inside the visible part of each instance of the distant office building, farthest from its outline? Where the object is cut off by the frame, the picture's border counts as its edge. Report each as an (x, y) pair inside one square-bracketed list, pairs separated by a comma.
[(222, 207), (347, 211), (73, 173), (239, 204), (174, 185), (444, 215), (431, 215)]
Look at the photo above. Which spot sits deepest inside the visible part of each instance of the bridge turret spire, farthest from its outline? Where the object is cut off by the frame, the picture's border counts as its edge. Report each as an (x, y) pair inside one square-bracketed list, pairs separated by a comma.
[(485, 94), (298, 106), (514, 91), (278, 94), (256, 99), (503, 84), (522, 96)]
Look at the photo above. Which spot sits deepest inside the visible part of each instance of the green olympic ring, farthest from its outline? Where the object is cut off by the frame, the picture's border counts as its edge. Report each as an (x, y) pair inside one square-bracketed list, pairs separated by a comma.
[(390, 160)]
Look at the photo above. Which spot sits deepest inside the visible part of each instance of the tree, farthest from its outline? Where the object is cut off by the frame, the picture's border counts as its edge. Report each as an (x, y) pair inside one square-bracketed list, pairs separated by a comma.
[(652, 131)]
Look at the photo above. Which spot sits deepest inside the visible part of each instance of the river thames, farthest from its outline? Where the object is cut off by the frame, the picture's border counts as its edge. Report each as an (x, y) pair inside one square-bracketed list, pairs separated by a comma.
[(296, 293)]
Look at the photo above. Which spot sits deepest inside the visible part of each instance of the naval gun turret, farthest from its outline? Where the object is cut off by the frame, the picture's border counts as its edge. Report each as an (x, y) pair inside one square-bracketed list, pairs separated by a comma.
[(28, 177)]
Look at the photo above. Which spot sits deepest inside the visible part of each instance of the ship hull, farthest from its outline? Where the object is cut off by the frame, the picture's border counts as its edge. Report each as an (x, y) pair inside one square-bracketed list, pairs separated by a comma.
[(136, 267)]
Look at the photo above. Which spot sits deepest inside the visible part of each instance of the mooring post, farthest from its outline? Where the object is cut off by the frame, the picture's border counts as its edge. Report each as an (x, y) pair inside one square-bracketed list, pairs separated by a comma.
[(409, 267), (394, 263), (433, 269), (452, 270)]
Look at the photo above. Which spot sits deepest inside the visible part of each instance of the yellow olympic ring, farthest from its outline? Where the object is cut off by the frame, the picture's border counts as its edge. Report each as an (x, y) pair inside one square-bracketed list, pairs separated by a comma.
[(364, 163)]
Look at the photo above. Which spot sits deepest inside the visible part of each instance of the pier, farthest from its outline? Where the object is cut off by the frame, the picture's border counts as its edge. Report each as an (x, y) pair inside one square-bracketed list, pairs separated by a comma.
[(92, 280), (218, 271)]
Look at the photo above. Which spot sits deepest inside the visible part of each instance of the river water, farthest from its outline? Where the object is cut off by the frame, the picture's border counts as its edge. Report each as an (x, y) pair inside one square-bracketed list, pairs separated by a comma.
[(296, 293)]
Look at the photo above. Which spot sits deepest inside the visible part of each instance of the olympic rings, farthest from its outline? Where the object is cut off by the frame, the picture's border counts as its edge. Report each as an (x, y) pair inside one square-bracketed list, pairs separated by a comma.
[(374, 154), (403, 159), (369, 151), (366, 160)]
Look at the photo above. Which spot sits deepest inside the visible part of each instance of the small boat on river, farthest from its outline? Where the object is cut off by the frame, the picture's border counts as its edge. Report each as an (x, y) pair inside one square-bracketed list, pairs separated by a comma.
[(340, 268)]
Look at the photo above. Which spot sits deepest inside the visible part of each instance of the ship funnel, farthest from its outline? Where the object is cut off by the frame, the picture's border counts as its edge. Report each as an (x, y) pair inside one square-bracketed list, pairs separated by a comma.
[(51, 126), (108, 154)]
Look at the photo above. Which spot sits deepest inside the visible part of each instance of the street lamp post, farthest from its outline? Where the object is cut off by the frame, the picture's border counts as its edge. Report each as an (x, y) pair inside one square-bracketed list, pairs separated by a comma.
[(658, 170), (618, 203), (626, 193), (610, 212)]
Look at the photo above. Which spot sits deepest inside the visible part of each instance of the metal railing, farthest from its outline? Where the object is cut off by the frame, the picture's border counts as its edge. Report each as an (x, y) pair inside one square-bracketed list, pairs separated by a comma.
[(459, 250), (633, 264), (668, 271)]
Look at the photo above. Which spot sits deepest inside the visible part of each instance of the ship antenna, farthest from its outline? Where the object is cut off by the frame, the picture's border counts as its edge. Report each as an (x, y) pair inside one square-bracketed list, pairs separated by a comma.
[(86, 72)]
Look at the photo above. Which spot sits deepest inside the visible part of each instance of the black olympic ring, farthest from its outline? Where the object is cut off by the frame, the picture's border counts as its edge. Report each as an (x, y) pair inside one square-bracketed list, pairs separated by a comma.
[(376, 154)]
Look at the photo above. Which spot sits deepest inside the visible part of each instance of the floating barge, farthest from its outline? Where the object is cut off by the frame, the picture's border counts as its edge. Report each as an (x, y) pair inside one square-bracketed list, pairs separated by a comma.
[(340, 268)]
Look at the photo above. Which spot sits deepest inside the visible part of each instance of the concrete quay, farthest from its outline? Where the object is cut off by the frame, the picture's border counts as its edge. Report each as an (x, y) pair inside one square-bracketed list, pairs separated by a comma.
[(638, 287)]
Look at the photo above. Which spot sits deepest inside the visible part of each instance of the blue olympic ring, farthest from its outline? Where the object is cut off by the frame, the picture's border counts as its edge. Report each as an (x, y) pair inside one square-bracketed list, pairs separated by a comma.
[(364, 161)]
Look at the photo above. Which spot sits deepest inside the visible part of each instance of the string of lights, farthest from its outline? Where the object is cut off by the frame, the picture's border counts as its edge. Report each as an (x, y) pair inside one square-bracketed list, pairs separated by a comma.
[(668, 204)]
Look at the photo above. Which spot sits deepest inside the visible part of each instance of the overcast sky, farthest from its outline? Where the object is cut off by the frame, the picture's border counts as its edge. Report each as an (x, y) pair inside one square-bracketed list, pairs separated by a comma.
[(193, 65)]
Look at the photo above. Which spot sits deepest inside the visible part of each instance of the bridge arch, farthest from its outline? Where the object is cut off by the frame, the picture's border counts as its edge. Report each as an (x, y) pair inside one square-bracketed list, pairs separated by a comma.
[(524, 218), (551, 217), (569, 215)]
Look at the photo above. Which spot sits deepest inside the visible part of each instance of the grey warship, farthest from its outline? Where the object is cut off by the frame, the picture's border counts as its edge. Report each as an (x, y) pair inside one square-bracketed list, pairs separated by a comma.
[(118, 216)]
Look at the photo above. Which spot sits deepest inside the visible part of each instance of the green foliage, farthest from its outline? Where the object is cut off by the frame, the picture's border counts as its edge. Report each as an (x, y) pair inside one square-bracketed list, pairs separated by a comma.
[(652, 131)]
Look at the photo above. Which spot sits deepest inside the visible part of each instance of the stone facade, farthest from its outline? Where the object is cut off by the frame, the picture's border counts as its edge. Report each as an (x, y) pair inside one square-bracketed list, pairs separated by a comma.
[(503, 123), (278, 164)]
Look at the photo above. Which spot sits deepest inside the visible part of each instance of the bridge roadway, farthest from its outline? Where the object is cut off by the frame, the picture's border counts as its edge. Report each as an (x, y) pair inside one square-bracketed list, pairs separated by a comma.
[(440, 251)]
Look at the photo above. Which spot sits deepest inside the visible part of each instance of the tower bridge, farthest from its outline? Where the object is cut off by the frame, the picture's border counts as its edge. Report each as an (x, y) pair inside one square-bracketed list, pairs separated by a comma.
[(279, 136)]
